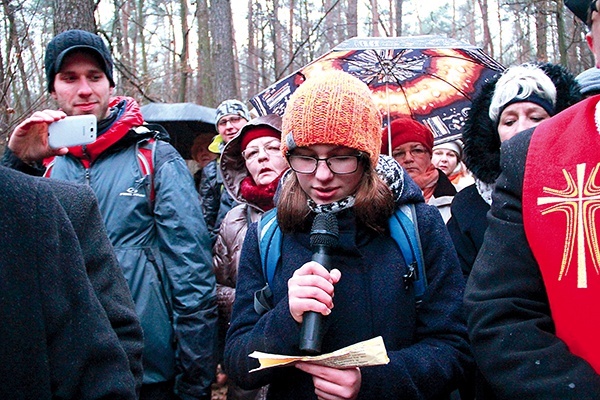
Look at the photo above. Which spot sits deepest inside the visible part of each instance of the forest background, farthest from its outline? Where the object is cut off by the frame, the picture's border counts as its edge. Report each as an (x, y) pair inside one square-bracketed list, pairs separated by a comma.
[(205, 51)]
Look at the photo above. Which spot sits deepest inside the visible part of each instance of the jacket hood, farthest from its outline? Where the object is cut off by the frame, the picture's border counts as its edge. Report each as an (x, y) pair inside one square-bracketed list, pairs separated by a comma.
[(232, 164), (480, 133)]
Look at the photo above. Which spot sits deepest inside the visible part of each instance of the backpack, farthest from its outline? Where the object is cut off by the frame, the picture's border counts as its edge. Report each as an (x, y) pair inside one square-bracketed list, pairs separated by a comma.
[(403, 229), (145, 155)]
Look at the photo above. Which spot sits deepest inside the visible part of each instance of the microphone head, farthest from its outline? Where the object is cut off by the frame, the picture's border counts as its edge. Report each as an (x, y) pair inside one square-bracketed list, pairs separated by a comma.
[(324, 231)]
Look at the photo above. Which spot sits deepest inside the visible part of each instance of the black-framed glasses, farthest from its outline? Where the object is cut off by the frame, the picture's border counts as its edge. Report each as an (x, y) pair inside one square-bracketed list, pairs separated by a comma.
[(339, 165)]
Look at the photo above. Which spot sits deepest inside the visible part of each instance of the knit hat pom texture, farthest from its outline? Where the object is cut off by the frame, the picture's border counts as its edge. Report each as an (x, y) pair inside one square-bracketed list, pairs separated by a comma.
[(333, 108)]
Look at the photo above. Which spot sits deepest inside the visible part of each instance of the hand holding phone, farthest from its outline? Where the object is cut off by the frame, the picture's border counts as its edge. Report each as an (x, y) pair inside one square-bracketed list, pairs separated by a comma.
[(72, 131)]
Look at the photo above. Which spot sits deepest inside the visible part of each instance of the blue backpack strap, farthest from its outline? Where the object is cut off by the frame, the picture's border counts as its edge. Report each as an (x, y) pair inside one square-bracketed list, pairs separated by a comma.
[(404, 230), (269, 246), (269, 237)]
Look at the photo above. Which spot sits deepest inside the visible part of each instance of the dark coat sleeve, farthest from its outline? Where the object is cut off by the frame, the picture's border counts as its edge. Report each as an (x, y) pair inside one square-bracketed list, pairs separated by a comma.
[(510, 324), (467, 226), (103, 269), (210, 197), (10, 160)]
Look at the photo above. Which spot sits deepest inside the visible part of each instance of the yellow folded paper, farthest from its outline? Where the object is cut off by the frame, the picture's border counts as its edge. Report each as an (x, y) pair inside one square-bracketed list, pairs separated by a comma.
[(363, 354)]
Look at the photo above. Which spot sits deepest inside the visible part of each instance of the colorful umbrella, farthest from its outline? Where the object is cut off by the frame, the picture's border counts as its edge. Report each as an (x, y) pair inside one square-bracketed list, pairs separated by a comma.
[(429, 78)]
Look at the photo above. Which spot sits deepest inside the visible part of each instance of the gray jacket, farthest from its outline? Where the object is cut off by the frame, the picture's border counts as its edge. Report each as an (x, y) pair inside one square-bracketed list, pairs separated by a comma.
[(164, 251)]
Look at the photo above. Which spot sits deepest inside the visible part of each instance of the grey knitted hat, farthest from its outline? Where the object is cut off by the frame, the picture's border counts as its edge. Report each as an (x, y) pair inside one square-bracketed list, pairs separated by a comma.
[(229, 107), (68, 41)]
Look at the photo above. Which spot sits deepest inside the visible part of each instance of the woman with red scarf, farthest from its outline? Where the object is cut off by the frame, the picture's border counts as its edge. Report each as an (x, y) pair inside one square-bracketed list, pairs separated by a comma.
[(251, 166), (411, 145)]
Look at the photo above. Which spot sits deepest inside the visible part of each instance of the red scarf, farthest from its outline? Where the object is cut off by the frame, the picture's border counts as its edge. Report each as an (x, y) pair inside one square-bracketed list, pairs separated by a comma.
[(259, 195), (561, 216)]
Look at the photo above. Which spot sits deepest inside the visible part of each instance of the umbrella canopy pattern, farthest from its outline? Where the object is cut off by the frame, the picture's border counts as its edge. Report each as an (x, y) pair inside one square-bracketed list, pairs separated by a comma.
[(429, 78), (183, 122)]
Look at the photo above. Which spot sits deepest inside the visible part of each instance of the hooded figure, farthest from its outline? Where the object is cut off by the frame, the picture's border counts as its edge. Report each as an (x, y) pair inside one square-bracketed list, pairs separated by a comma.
[(251, 166)]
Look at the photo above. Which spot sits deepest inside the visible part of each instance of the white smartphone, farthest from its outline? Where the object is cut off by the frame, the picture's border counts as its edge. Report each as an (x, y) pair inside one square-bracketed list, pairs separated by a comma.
[(72, 131)]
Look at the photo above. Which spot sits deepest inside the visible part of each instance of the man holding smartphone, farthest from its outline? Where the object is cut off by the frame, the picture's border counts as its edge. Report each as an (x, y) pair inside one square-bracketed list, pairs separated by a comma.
[(153, 219)]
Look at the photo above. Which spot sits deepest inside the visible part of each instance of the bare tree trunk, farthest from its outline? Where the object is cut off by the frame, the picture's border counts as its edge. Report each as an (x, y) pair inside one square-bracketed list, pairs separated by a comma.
[(253, 76), (352, 18), (225, 83), (487, 36), (126, 53), (500, 37), (339, 27), (290, 68), (74, 14), (173, 67), (541, 31), (205, 92), (184, 66), (140, 21), (560, 33), (15, 44), (330, 23), (375, 18), (276, 32), (471, 22), (399, 5)]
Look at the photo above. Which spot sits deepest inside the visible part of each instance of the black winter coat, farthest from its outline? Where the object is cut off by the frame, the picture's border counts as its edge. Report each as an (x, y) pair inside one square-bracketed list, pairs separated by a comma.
[(55, 338), (467, 225), (216, 201), (510, 324), (427, 348)]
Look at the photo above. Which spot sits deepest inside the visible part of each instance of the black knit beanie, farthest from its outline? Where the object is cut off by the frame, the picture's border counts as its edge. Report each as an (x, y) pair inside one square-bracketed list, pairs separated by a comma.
[(68, 41)]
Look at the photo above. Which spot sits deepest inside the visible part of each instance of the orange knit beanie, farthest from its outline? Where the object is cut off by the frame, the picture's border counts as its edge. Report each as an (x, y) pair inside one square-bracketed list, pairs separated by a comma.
[(332, 108)]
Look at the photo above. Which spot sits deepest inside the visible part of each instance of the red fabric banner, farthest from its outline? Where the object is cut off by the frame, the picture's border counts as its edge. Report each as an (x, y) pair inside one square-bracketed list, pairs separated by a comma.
[(561, 202)]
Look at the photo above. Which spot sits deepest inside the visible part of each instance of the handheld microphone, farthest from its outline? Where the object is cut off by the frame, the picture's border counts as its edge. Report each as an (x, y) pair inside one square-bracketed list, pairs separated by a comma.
[(324, 236)]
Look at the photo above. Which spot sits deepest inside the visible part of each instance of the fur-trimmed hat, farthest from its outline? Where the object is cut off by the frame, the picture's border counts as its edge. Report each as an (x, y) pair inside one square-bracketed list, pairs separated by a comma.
[(480, 134), (231, 107), (404, 130), (75, 39), (332, 108), (523, 83)]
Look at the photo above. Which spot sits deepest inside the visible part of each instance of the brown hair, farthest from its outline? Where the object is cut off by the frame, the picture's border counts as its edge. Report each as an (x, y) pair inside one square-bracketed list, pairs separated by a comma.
[(373, 206)]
